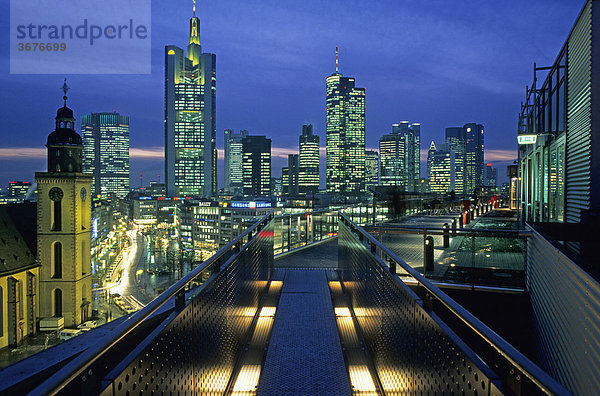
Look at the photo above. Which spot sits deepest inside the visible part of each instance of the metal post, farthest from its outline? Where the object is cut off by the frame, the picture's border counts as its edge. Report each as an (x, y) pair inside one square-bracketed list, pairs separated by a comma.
[(446, 236), (392, 266), (428, 254), (467, 217), (453, 227), (460, 220)]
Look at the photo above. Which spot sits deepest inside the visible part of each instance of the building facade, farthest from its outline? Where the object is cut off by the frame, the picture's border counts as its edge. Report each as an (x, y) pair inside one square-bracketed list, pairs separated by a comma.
[(64, 226), (371, 168), (256, 166), (400, 158), (467, 143), (290, 175), (190, 119), (559, 137), (106, 153), (345, 139), (309, 159), (441, 169), (19, 285), (491, 176), (233, 161)]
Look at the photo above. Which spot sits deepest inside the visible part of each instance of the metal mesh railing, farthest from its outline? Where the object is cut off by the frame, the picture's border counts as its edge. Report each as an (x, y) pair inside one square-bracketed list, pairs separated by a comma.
[(411, 347)]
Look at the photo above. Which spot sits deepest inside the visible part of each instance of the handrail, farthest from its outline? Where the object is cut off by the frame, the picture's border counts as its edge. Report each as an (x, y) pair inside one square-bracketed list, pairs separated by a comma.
[(71, 370), (433, 230), (538, 376)]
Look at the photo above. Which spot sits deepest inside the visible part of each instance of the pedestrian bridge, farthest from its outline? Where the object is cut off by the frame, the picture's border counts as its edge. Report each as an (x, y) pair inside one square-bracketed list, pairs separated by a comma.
[(333, 317)]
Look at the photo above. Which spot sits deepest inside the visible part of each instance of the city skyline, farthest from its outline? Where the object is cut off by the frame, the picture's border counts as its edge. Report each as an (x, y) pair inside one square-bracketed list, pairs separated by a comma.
[(126, 96)]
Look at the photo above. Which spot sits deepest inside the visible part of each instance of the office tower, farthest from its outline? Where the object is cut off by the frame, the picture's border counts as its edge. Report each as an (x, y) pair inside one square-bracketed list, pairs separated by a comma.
[(290, 175), (308, 174), (345, 142), (441, 169), (233, 161), (256, 166), (371, 168), (18, 188), (455, 140), (399, 152), (190, 121), (64, 225), (106, 153), (467, 144), (491, 176), (474, 176)]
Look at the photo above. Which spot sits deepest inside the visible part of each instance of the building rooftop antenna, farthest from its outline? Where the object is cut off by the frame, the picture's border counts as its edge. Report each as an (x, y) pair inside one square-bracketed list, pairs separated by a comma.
[(336, 60)]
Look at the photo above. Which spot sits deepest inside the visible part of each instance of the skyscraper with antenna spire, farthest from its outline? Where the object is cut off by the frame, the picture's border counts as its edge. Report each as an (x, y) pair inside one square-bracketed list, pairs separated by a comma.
[(190, 118), (345, 139)]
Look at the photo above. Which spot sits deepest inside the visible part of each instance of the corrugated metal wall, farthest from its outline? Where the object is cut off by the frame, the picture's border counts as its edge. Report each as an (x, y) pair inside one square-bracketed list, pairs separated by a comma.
[(579, 116), (566, 309)]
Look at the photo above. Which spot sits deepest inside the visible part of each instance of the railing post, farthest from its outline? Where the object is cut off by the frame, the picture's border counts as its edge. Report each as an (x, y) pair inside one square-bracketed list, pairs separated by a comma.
[(453, 227), (461, 220), (428, 254), (446, 236), (373, 248), (180, 299), (392, 264), (467, 217)]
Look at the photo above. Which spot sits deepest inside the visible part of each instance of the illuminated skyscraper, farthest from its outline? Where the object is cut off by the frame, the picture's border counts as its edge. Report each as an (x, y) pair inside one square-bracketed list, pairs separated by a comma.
[(399, 153), (233, 161), (467, 144), (290, 175), (345, 141), (308, 176), (106, 152), (190, 121), (371, 168), (256, 166), (441, 169)]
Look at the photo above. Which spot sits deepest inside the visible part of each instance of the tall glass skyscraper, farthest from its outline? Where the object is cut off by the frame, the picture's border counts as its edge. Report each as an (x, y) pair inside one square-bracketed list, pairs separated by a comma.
[(190, 121), (467, 144), (234, 182), (308, 176), (400, 157), (106, 152), (256, 166), (441, 169), (345, 143), (371, 168)]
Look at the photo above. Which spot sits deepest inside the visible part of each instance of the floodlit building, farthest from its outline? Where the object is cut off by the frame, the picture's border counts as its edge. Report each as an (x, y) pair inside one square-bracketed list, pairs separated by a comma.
[(467, 143), (440, 169), (400, 161), (371, 168), (64, 225), (308, 161), (234, 182), (345, 139), (190, 118), (106, 153)]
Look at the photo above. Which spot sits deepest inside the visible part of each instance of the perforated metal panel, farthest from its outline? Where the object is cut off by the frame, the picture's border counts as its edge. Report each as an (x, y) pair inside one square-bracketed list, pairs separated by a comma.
[(413, 351), (195, 352)]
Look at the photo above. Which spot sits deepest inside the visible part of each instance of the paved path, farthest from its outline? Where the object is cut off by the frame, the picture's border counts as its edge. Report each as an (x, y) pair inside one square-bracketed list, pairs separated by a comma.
[(304, 356)]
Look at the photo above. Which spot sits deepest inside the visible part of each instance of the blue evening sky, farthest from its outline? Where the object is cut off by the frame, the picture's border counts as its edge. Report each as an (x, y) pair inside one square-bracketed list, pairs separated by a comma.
[(438, 62)]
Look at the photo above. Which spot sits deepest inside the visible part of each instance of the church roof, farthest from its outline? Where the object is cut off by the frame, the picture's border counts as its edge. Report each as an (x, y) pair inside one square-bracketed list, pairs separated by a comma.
[(15, 255)]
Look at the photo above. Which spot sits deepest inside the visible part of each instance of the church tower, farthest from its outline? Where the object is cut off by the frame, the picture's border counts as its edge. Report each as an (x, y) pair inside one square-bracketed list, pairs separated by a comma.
[(64, 225)]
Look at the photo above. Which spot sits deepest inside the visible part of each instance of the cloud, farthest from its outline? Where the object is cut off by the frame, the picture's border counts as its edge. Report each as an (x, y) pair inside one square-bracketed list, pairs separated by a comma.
[(17, 153), (491, 155), (147, 152)]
